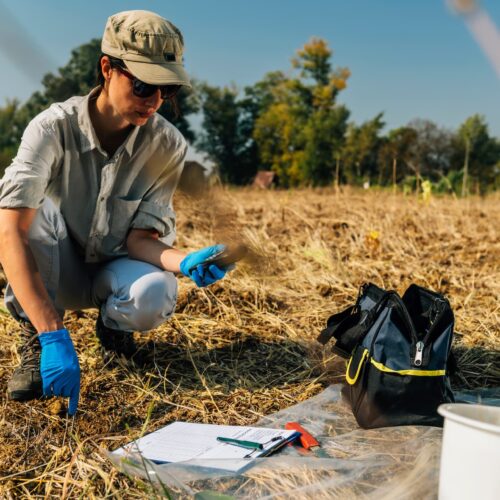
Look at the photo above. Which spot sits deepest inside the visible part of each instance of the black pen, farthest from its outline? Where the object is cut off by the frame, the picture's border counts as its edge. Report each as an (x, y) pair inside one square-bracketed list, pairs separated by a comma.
[(252, 445)]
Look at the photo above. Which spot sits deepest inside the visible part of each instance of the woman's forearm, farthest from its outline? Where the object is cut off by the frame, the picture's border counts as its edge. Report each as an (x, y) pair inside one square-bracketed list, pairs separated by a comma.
[(24, 277), (142, 245)]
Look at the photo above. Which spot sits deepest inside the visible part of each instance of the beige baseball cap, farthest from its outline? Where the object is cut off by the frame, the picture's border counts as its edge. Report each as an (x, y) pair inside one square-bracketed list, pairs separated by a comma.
[(150, 46)]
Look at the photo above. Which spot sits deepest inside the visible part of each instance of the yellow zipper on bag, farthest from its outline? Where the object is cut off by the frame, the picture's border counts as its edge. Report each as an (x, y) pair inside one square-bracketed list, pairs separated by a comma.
[(417, 373)]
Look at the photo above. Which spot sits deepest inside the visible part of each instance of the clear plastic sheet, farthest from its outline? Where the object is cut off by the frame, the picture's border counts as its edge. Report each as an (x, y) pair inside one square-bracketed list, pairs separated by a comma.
[(388, 463)]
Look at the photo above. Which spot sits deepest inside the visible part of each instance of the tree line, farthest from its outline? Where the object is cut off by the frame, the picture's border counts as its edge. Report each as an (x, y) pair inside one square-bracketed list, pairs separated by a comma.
[(292, 123)]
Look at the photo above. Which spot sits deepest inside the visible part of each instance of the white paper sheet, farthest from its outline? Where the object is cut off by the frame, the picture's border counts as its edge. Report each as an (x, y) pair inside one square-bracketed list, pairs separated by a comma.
[(197, 443)]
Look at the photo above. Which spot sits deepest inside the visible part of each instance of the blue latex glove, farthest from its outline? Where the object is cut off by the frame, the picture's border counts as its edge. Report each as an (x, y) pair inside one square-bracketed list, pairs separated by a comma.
[(203, 275), (59, 367)]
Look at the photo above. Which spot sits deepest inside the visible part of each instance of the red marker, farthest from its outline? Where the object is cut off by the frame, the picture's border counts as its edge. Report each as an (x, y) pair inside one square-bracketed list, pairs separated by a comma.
[(306, 440)]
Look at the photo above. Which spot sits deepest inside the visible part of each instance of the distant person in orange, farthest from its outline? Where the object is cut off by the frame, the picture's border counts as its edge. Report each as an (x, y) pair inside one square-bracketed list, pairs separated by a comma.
[(86, 214)]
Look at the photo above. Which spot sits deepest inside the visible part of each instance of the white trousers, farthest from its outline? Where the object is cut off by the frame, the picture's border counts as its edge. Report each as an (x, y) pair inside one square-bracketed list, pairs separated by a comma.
[(132, 295)]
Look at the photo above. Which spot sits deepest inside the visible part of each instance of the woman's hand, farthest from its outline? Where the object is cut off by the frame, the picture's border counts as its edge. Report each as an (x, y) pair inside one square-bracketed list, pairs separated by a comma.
[(203, 273), (59, 367)]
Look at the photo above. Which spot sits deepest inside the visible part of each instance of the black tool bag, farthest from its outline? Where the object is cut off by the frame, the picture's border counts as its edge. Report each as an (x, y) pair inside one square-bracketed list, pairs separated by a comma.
[(399, 352)]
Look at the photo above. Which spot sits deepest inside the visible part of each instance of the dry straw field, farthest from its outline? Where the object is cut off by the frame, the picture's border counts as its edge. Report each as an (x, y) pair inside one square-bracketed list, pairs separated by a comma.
[(246, 347)]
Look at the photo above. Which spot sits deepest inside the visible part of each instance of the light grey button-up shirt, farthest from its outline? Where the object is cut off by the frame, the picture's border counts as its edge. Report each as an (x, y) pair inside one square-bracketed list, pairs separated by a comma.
[(100, 197)]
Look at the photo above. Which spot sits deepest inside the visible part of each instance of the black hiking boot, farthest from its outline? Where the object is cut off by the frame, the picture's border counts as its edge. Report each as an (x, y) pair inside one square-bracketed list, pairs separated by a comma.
[(26, 381), (118, 341)]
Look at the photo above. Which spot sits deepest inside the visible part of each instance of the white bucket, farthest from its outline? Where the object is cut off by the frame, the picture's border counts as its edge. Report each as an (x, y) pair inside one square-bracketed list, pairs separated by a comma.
[(470, 454)]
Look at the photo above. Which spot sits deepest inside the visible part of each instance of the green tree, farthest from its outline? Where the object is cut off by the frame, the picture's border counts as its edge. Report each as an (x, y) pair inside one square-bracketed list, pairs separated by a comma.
[(324, 135), (302, 126), (396, 147), (225, 137), (256, 100), (260, 96), (361, 151), (480, 154), (279, 134), (431, 151)]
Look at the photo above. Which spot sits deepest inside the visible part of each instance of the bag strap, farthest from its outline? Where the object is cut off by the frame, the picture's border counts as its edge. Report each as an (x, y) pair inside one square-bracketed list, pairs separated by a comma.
[(349, 327), (333, 324)]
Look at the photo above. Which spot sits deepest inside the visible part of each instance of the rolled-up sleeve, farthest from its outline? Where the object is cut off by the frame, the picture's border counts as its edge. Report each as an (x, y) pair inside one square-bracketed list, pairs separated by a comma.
[(155, 210), (151, 215), (25, 180)]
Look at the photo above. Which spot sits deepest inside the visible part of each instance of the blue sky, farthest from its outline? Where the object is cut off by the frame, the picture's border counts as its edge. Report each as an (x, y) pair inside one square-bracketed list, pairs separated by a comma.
[(408, 58)]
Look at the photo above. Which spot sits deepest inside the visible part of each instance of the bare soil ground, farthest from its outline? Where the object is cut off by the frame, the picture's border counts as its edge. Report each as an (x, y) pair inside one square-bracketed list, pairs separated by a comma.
[(245, 347)]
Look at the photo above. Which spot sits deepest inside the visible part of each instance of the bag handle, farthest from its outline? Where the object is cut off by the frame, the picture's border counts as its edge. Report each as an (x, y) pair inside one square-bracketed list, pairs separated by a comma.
[(334, 324), (350, 326)]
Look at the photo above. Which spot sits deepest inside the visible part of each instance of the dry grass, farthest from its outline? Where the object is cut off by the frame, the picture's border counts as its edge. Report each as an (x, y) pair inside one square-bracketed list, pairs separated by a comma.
[(246, 347)]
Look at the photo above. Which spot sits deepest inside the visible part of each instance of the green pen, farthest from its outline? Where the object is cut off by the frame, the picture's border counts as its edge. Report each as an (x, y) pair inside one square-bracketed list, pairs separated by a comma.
[(251, 445)]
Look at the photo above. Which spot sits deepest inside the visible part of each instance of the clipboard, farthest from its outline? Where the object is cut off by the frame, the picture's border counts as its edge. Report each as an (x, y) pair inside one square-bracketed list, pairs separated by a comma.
[(197, 445)]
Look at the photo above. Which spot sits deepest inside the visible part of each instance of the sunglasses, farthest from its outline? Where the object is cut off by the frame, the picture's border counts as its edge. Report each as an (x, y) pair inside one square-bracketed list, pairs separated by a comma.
[(142, 89)]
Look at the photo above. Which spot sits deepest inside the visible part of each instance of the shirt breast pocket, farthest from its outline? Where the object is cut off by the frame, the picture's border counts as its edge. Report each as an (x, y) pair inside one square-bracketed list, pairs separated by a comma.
[(122, 214)]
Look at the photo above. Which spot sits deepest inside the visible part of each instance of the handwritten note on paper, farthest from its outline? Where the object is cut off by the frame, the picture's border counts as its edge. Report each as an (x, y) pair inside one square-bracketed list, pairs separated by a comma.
[(198, 445)]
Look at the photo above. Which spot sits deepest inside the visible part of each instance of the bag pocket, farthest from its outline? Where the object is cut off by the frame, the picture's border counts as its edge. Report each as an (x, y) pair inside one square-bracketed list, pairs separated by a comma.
[(400, 399), (355, 375)]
